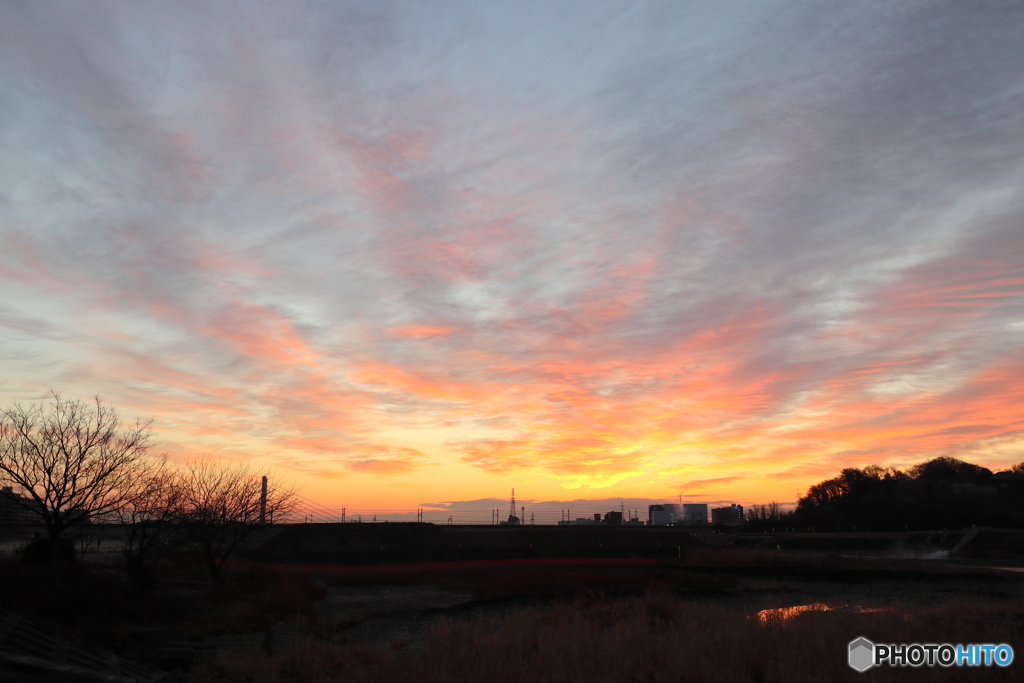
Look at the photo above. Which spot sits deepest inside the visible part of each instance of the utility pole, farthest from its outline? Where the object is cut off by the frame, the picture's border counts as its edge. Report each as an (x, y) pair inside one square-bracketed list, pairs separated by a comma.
[(263, 501)]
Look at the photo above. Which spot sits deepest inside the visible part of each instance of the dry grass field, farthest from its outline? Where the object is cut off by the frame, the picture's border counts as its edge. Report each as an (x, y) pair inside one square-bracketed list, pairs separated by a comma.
[(656, 637), (695, 620), (698, 618)]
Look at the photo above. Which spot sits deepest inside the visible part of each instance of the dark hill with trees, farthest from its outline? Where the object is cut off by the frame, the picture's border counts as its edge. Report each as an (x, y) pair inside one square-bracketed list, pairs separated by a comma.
[(941, 493)]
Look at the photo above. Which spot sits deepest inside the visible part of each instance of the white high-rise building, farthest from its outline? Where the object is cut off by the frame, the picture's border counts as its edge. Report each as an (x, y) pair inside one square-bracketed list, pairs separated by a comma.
[(662, 515)]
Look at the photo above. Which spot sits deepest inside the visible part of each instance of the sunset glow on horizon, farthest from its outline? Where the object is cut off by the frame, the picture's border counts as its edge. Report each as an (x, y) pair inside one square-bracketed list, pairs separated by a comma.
[(414, 255)]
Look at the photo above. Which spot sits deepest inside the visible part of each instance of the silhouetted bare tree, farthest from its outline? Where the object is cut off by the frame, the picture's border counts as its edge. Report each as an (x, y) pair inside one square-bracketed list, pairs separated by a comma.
[(768, 512), (221, 507), (72, 460), (152, 506)]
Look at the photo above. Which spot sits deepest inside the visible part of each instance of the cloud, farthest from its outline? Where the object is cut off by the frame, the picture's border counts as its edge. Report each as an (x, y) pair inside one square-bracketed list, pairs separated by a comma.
[(422, 331), (704, 483), (594, 248), (389, 466)]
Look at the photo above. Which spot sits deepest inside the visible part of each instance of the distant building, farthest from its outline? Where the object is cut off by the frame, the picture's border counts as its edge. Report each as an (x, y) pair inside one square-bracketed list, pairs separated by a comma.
[(674, 513), (12, 508), (662, 515), (695, 513), (732, 515), (580, 521), (613, 517)]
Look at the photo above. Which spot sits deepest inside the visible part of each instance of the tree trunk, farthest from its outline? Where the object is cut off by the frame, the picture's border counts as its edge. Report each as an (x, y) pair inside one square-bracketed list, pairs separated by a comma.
[(58, 555), (216, 574)]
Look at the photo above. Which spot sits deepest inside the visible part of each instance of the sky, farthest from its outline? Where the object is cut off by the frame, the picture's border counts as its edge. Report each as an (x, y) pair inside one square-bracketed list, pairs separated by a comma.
[(408, 254)]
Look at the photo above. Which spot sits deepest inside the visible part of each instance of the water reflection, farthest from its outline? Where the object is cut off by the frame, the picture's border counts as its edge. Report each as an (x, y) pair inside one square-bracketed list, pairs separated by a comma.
[(781, 615)]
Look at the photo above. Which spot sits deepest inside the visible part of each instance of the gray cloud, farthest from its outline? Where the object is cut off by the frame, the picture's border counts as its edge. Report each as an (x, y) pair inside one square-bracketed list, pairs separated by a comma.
[(267, 203)]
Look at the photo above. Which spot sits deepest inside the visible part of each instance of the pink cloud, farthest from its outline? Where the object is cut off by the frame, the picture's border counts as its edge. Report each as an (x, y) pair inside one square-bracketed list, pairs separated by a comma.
[(422, 331)]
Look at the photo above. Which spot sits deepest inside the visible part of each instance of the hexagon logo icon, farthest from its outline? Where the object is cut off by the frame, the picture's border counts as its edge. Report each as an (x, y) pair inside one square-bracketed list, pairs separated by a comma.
[(862, 654)]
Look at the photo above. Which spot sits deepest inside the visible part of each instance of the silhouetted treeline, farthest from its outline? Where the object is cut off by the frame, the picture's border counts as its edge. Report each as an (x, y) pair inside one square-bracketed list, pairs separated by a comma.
[(940, 493)]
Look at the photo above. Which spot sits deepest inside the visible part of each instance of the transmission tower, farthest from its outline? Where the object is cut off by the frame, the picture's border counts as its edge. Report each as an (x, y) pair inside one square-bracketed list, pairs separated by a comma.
[(512, 518)]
